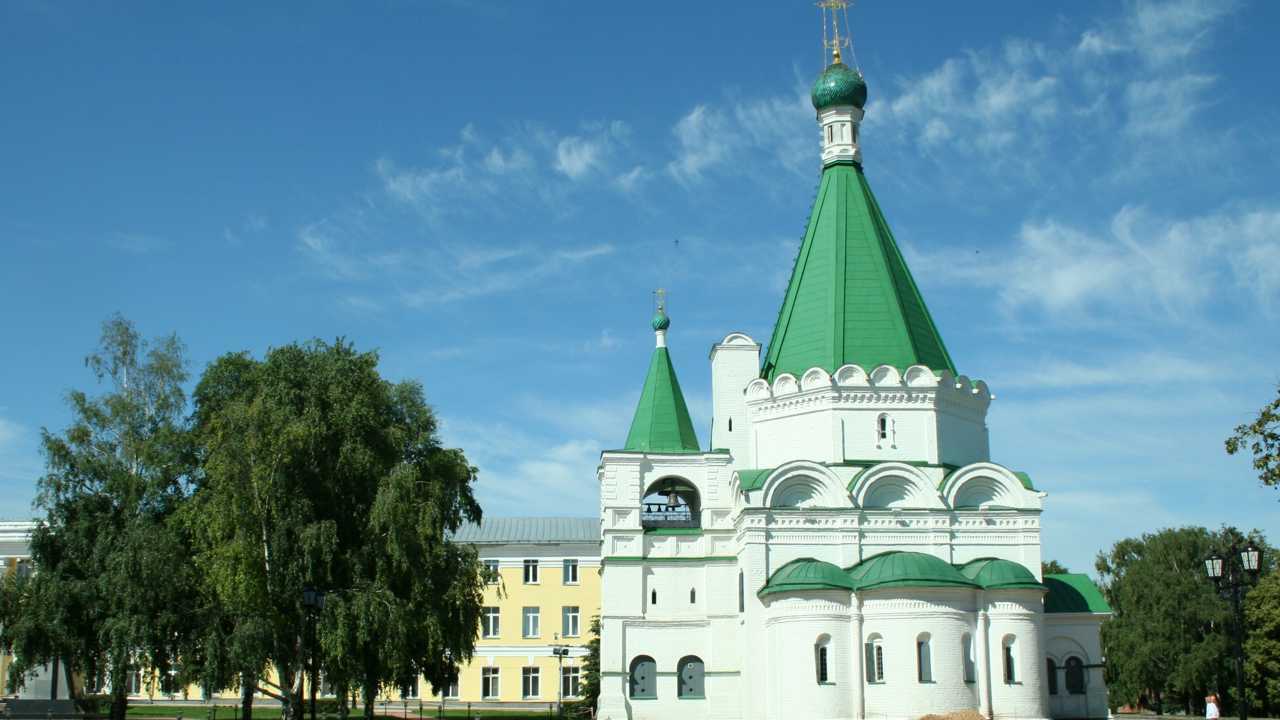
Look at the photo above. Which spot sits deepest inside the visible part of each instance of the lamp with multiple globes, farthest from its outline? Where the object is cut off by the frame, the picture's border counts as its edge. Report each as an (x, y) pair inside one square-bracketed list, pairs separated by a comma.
[(1233, 574)]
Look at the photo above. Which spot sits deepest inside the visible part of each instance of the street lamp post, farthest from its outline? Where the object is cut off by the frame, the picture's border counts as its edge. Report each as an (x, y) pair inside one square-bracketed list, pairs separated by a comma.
[(561, 652), (1233, 574), (313, 602)]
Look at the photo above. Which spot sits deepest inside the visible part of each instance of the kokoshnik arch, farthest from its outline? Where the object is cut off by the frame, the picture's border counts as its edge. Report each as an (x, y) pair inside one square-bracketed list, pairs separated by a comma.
[(846, 548)]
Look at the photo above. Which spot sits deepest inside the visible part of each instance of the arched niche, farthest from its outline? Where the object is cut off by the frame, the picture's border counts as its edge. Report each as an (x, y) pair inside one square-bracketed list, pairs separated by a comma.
[(987, 486), (895, 486), (803, 484)]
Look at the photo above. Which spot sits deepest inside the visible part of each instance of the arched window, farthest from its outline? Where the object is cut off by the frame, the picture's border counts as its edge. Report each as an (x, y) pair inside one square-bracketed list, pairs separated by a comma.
[(873, 658), (693, 596), (822, 658), (644, 675), (884, 430), (1075, 676), (924, 663), (1051, 671), (970, 667), (689, 673), (1010, 656), (742, 592)]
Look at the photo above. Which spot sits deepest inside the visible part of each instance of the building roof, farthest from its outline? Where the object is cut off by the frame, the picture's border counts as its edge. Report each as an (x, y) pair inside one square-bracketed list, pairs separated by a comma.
[(1073, 593), (806, 574), (503, 530), (898, 568), (999, 574), (661, 423), (752, 479), (851, 298)]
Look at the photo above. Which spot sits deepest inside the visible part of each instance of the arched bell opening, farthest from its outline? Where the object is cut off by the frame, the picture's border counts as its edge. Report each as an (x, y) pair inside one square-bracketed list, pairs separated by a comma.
[(671, 503)]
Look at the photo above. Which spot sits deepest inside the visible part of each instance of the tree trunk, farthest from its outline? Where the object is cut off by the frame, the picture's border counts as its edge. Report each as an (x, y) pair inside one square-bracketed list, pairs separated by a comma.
[(369, 690), (247, 684), (119, 700)]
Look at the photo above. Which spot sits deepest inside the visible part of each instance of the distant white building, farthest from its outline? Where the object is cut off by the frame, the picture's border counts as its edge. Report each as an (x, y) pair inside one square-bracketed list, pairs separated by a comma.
[(847, 548)]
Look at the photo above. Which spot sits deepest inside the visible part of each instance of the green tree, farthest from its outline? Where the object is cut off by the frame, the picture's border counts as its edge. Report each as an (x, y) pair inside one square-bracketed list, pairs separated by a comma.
[(1261, 438), (111, 564), (1053, 567), (1169, 642), (1262, 648), (317, 472), (590, 674)]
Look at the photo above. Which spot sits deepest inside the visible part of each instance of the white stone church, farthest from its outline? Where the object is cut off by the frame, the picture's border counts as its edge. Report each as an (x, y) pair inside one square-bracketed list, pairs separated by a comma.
[(847, 548)]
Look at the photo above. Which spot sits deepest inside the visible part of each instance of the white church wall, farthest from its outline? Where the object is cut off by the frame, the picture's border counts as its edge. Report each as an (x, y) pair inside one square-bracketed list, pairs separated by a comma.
[(1076, 635), (898, 618), (735, 362), (796, 625), (1016, 620)]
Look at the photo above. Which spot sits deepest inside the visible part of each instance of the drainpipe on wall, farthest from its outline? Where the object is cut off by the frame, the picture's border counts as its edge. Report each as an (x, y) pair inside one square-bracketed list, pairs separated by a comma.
[(984, 659), (860, 672)]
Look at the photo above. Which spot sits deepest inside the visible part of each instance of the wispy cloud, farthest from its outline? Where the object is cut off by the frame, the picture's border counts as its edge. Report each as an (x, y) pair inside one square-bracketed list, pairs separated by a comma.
[(20, 466), (137, 243), (1141, 264)]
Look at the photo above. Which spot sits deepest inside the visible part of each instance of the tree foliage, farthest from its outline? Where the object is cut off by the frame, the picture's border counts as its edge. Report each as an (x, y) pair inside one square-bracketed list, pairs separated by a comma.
[(590, 688), (112, 571), (317, 472), (1169, 642), (1261, 438), (1053, 567), (1262, 648)]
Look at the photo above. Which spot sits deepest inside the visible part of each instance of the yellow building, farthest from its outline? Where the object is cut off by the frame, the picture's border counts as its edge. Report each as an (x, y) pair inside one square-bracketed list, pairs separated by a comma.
[(544, 590)]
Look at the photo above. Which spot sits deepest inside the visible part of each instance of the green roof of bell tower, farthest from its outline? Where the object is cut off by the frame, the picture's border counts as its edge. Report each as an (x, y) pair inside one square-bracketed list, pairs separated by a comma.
[(851, 298), (662, 423)]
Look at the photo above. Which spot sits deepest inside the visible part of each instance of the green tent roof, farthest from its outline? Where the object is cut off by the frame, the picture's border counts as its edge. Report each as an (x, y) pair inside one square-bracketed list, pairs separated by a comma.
[(898, 568), (998, 574), (851, 298), (661, 423), (806, 574), (1073, 593)]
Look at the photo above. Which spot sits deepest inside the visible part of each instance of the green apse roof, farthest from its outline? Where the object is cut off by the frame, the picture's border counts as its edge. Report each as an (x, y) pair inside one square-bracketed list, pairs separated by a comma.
[(806, 574), (661, 423), (1073, 593), (851, 298), (898, 568), (997, 574)]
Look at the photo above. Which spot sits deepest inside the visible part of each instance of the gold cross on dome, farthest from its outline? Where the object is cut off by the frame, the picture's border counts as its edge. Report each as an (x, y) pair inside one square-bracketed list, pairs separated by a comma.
[(660, 295), (837, 42)]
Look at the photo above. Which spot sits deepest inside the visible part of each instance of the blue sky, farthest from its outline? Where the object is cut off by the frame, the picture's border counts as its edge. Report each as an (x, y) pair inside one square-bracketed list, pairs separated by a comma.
[(488, 192)]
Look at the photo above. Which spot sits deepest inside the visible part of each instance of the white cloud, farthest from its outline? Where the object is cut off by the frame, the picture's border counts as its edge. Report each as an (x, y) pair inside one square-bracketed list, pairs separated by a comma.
[(704, 140), (1141, 265), (576, 156), (20, 467), (631, 181)]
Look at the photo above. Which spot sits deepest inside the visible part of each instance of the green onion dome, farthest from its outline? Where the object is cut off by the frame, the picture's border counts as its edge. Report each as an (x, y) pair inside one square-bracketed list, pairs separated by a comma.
[(661, 321), (839, 84)]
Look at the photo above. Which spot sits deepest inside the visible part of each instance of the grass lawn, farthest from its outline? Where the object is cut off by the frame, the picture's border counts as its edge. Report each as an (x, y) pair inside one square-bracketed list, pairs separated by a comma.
[(271, 711)]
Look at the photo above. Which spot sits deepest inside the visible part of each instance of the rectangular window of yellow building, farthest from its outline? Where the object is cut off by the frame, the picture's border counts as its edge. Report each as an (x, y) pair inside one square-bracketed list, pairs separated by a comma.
[(531, 629), (489, 622), (530, 682), (569, 620), (531, 572), (570, 572)]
